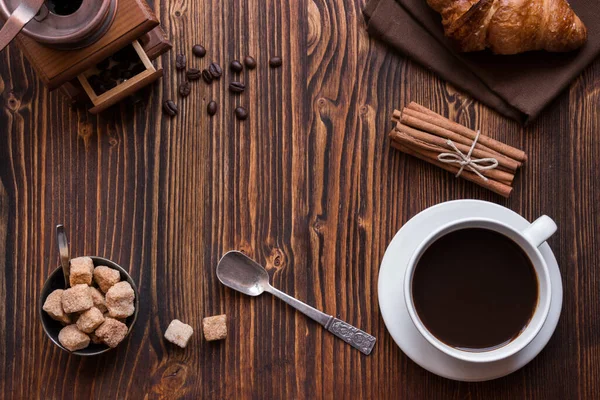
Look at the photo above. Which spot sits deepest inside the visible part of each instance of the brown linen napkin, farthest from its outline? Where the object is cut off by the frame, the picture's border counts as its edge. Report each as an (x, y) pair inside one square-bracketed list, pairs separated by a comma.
[(518, 86)]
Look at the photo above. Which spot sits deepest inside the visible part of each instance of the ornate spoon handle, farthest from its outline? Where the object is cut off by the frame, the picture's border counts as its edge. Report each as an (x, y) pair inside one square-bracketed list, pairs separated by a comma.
[(355, 337)]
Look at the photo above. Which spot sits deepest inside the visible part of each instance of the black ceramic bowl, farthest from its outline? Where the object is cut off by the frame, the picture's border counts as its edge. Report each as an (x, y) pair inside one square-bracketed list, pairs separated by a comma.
[(57, 281)]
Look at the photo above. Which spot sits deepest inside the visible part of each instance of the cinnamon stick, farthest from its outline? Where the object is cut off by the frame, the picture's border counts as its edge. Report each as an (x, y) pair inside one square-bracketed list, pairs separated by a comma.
[(503, 161), (418, 120), (436, 119), (495, 186), (432, 152)]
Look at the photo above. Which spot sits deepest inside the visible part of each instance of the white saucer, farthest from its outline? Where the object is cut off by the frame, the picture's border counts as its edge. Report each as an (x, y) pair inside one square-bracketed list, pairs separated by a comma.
[(395, 314)]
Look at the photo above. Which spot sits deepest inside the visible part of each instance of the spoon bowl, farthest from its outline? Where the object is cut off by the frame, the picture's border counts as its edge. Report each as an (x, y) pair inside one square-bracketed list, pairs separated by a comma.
[(241, 273)]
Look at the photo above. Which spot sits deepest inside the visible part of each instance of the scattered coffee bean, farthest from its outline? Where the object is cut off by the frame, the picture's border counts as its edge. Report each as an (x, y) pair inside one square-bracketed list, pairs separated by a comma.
[(241, 113), (211, 108), (170, 108), (184, 89), (236, 66), (206, 76), (215, 70), (180, 61), (199, 50), (193, 74), (249, 62), (237, 87), (275, 62)]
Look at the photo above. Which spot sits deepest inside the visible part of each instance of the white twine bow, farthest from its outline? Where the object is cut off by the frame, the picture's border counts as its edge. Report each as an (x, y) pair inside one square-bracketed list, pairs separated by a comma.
[(474, 164)]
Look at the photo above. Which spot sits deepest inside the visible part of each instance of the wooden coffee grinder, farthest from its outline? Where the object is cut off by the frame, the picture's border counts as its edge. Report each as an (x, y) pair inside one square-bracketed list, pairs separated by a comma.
[(94, 50)]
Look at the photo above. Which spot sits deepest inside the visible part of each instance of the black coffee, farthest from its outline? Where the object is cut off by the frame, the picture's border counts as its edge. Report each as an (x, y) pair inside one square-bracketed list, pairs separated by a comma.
[(475, 289)]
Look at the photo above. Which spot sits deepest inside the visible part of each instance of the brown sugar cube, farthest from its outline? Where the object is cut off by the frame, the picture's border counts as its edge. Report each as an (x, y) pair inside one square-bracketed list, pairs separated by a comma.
[(53, 306), (111, 332), (107, 315), (179, 333), (106, 277), (95, 339), (72, 338), (119, 300), (90, 320), (81, 271), (77, 298), (215, 328), (98, 299)]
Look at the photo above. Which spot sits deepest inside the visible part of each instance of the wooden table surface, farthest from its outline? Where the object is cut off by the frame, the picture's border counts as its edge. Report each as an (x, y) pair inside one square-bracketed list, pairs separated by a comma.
[(308, 186)]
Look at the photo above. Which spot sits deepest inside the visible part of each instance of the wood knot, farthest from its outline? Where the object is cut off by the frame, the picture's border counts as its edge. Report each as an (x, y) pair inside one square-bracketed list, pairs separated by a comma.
[(321, 102), (85, 130), (113, 141), (363, 110), (13, 102), (276, 259), (178, 13), (319, 225), (172, 380)]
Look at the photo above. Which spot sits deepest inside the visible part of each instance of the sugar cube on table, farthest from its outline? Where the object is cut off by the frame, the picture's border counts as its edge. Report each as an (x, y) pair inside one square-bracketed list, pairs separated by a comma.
[(111, 332), (106, 277), (72, 338), (119, 300), (81, 271), (90, 320), (215, 328), (53, 306), (98, 299), (179, 333), (77, 298)]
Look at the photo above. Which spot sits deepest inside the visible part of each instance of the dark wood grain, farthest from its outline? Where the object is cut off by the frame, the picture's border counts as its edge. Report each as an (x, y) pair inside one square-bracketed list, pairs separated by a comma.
[(308, 186)]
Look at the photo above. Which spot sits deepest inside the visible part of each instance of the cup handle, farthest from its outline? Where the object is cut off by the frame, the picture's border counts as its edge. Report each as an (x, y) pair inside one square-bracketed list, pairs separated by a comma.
[(540, 230)]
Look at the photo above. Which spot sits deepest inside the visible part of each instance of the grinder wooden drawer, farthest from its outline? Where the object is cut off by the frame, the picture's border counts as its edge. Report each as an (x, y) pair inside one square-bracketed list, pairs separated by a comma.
[(105, 99)]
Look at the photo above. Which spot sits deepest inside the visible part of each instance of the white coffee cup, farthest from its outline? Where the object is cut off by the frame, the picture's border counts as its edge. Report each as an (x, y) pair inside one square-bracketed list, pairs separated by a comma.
[(529, 240)]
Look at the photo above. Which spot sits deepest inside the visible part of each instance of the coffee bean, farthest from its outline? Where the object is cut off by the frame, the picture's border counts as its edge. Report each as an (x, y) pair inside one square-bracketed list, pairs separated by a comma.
[(237, 87), (206, 76), (199, 50), (275, 62), (170, 108), (211, 108), (115, 72), (104, 64), (127, 53), (215, 70), (184, 89), (180, 61), (105, 75), (126, 75), (249, 62), (108, 85), (138, 69), (193, 74), (241, 113), (236, 66)]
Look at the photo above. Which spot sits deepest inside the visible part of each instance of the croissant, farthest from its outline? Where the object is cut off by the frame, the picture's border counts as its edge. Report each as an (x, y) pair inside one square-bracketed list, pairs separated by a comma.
[(511, 26)]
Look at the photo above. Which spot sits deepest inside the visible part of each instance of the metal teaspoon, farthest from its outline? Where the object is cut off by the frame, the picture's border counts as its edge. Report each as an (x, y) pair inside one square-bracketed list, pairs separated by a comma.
[(239, 272)]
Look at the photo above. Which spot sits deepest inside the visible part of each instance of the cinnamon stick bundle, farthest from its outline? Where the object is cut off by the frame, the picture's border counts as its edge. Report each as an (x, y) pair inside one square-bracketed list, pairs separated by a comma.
[(424, 134)]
